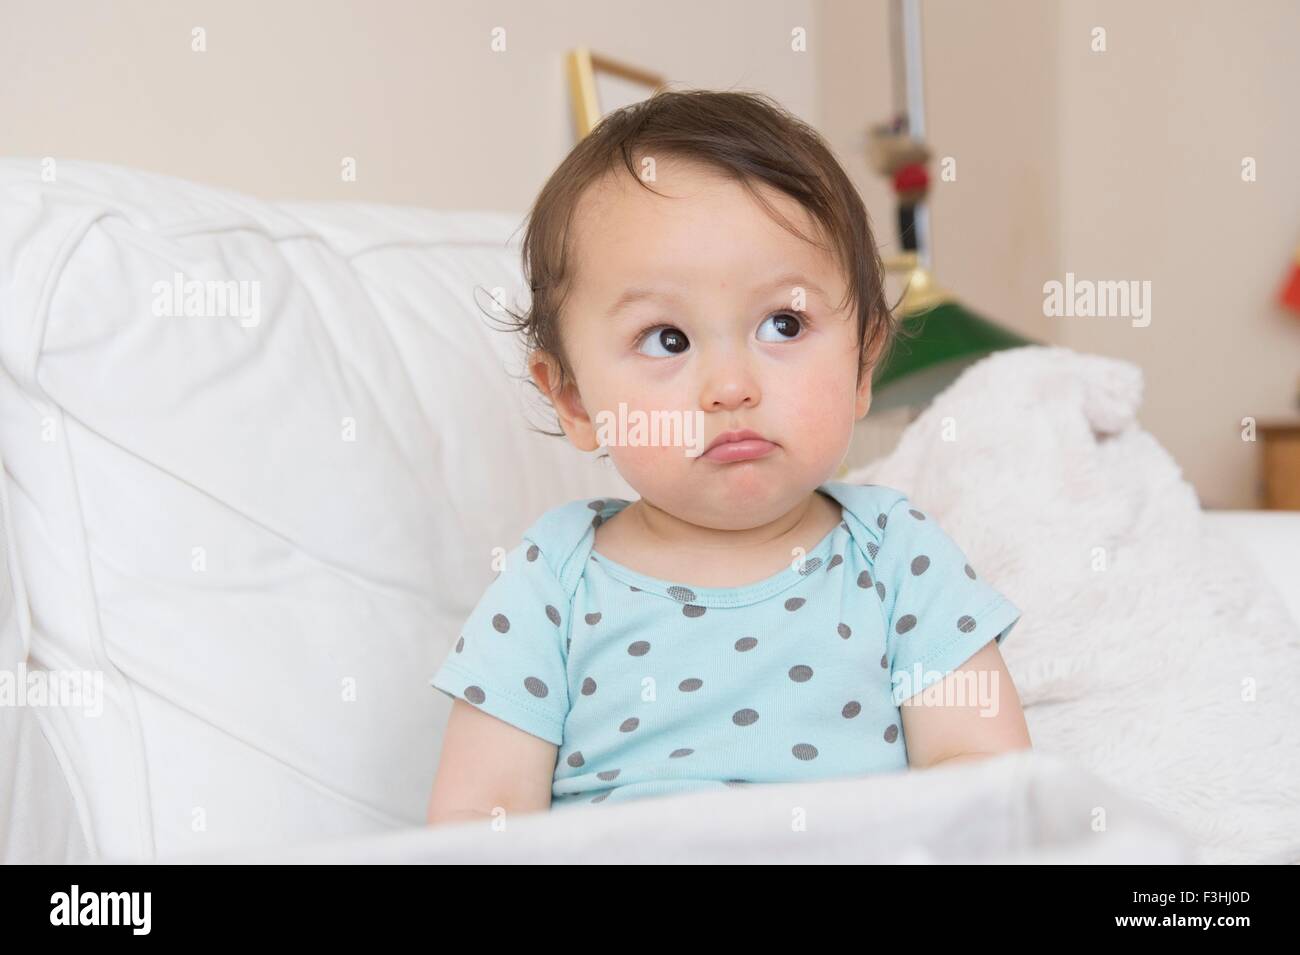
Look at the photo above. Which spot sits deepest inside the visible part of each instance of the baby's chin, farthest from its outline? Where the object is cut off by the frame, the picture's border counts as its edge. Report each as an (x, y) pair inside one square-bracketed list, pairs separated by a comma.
[(709, 493)]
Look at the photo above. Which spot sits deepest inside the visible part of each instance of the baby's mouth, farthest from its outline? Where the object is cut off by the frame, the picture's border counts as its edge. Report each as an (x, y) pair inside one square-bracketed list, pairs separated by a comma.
[(732, 447)]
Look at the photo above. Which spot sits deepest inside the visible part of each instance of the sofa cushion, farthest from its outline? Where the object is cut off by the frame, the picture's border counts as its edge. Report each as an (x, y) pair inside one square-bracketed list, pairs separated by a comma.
[(261, 507)]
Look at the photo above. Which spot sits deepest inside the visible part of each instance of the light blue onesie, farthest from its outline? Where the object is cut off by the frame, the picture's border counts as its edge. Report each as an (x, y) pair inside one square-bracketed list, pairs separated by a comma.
[(651, 687)]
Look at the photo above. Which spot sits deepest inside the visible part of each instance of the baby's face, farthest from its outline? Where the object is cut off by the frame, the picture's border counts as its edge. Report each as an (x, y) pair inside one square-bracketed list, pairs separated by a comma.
[(721, 333)]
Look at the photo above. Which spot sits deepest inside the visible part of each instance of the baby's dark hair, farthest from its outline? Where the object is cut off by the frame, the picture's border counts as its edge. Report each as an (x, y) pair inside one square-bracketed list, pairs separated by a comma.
[(747, 136)]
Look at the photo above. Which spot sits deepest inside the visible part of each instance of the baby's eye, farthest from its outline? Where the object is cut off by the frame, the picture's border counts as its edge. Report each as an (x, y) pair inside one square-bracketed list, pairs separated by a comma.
[(672, 340), (786, 325)]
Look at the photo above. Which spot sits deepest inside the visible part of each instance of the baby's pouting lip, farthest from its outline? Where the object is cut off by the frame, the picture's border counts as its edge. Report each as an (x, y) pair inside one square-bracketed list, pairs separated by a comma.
[(748, 449), (742, 445)]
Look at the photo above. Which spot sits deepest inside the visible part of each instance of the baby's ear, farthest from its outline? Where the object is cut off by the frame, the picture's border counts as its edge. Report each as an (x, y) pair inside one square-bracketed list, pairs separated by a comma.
[(864, 385), (877, 348), (539, 365), (575, 421), (864, 389), (864, 394)]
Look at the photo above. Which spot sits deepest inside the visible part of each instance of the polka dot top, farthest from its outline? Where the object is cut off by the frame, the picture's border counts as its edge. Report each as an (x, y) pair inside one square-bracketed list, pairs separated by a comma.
[(651, 687)]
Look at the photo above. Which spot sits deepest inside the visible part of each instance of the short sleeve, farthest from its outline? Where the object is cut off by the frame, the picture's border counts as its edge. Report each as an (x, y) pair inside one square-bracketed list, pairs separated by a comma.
[(938, 611), (509, 658)]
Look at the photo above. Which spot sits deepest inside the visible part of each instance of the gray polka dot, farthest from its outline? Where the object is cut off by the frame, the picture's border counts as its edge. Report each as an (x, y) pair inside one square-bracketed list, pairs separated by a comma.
[(575, 759), (915, 513), (690, 685), (475, 694), (872, 549), (734, 782), (500, 624), (629, 724), (884, 661), (804, 751), (880, 589), (597, 521), (746, 643), (970, 572), (691, 610), (679, 753), (801, 673), (568, 642), (596, 505), (881, 521), (835, 562), (532, 552), (891, 733), (810, 565), (905, 623), (535, 686), (844, 524), (602, 797), (552, 615), (864, 579), (635, 590), (638, 649), (966, 624), (794, 603), (608, 774), (592, 619), (920, 565), (744, 717), (460, 644), (588, 686), (851, 709), (844, 631), (682, 594)]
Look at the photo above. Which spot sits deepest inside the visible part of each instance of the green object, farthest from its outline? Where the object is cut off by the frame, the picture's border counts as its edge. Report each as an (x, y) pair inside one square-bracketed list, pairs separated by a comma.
[(935, 347), (946, 333)]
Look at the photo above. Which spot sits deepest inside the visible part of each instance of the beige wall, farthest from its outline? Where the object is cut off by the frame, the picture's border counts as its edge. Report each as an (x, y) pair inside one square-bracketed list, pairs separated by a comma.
[(1115, 165), (1152, 137), (411, 88)]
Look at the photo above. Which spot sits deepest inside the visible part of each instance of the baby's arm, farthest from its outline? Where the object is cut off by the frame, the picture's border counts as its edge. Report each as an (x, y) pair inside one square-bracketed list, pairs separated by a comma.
[(487, 764), (937, 731)]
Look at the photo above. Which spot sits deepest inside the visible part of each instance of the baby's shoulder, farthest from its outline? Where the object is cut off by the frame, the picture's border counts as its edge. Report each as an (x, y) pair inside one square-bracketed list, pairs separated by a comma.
[(866, 509), (890, 527), (562, 535)]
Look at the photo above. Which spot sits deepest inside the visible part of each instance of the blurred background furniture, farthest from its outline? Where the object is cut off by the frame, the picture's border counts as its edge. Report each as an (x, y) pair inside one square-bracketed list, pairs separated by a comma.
[(1279, 445)]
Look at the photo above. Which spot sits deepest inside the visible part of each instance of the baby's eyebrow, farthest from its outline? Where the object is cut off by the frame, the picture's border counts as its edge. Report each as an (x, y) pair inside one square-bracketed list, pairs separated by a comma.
[(636, 294), (639, 293)]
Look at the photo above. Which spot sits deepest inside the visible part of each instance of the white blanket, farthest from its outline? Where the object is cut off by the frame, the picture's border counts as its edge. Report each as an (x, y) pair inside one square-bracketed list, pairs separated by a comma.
[(1151, 650), (1154, 666), (1019, 807)]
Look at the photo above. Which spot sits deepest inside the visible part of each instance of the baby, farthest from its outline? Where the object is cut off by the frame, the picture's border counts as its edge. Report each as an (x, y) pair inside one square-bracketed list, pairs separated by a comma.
[(746, 620)]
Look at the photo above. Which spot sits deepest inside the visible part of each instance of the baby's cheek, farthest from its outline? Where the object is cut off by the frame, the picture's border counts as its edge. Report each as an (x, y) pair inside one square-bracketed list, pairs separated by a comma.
[(823, 414), (641, 465)]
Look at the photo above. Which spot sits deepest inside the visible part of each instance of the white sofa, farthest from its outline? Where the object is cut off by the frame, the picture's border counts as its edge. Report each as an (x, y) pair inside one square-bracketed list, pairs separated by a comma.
[(262, 529), (259, 533)]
